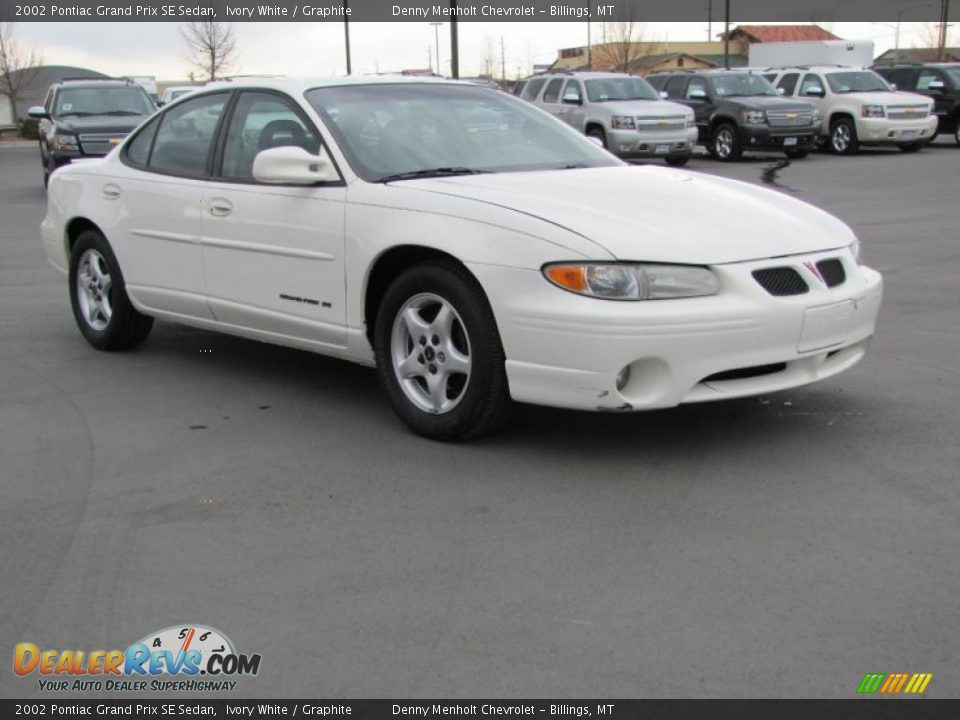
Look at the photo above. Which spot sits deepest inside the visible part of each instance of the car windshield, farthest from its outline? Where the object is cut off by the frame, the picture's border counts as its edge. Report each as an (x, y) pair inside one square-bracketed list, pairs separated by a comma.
[(86, 101), (620, 88), (389, 130), (860, 81), (741, 85)]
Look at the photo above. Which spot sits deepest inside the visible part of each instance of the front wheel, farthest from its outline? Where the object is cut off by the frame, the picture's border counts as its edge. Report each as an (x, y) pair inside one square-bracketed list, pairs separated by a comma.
[(910, 147), (798, 154), (843, 137), (101, 307), (598, 135), (439, 355), (678, 160), (726, 143)]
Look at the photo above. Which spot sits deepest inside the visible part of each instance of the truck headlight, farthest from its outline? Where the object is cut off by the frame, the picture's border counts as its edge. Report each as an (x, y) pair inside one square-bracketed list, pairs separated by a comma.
[(873, 111), (816, 118), (65, 142), (689, 121), (623, 122), (754, 117), (633, 281)]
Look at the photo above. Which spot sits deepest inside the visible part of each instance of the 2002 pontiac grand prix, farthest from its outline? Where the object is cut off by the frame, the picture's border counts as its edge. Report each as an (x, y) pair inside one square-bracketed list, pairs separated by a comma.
[(473, 248)]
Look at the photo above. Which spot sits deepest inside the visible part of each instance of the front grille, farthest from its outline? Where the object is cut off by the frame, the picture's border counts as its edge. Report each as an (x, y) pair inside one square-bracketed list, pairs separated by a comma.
[(832, 272), (660, 124), (793, 118), (99, 143), (747, 372), (781, 281), (907, 112)]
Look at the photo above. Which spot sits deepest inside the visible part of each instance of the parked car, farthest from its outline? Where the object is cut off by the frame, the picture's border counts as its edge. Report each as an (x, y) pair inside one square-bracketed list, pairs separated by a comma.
[(361, 218), (738, 111), (938, 81), (859, 107), (175, 91), (86, 118), (620, 112)]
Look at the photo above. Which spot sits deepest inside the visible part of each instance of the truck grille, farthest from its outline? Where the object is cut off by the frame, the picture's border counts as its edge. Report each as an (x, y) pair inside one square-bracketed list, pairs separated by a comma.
[(790, 118), (99, 143), (660, 124), (907, 112), (781, 281)]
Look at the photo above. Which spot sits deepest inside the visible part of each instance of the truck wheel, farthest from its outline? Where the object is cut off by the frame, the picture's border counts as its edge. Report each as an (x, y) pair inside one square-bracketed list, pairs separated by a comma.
[(103, 312), (726, 143), (910, 147), (599, 134), (439, 355), (843, 137), (677, 160), (797, 154)]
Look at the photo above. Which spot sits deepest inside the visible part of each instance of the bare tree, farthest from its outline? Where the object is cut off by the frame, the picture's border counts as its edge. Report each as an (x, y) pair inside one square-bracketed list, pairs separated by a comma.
[(491, 57), (928, 37), (211, 47), (627, 41), (19, 67)]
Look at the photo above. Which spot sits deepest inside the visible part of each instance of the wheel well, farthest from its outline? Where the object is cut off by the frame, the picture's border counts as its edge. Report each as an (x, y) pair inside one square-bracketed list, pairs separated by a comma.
[(595, 126), (841, 115), (74, 228), (387, 267), (721, 120)]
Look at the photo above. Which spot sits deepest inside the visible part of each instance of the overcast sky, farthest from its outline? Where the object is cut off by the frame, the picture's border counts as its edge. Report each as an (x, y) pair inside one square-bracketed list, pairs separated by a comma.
[(317, 48)]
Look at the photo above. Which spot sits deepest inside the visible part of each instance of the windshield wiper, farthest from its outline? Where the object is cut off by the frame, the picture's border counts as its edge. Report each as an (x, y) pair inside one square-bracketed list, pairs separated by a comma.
[(121, 112), (74, 114), (432, 172)]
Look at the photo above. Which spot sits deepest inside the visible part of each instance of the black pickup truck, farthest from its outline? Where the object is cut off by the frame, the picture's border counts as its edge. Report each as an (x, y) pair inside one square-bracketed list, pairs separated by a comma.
[(938, 81), (739, 111), (87, 118)]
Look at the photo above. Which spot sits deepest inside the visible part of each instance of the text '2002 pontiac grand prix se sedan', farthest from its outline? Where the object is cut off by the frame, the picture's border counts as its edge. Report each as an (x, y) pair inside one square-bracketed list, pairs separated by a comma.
[(473, 248)]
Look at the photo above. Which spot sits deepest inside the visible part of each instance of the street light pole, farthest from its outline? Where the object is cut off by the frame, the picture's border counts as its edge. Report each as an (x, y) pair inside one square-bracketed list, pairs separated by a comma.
[(454, 43), (346, 33), (436, 42)]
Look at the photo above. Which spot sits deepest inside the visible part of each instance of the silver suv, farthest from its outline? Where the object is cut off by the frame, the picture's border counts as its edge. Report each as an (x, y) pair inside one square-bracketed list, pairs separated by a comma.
[(621, 112)]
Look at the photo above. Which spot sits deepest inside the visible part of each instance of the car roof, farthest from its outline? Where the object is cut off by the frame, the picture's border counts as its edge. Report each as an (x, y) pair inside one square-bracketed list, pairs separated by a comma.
[(298, 85), (96, 82)]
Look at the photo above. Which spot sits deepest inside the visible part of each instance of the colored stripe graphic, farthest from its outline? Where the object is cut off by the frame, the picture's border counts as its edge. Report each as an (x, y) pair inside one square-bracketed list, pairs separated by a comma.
[(871, 682), (895, 683)]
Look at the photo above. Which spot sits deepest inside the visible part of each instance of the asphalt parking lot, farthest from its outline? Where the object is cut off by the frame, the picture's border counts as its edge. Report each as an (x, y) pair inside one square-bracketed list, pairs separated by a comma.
[(775, 547)]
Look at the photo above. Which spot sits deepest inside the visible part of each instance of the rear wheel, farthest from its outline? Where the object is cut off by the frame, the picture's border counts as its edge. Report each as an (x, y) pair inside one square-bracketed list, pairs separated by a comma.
[(101, 307), (678, 160), (439, 356), (726, 143), (843, 137)]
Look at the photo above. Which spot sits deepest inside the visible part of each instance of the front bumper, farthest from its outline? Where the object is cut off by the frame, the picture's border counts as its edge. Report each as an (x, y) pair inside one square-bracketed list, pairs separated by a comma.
[(873, 131), (764, 137), (636, 144), (564, 350)]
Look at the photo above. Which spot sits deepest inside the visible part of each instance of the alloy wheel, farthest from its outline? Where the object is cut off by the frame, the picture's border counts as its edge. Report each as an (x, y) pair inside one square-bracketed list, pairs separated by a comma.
[(94, 286), (841, 138), (430, 352), (723, 145)]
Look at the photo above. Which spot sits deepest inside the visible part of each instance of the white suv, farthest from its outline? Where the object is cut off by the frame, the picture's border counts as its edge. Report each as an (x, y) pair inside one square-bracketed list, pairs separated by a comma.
[(622, 112), (859, 107)]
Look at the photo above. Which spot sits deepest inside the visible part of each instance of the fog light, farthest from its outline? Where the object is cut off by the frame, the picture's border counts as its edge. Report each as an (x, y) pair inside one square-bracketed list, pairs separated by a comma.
[(623, 377)]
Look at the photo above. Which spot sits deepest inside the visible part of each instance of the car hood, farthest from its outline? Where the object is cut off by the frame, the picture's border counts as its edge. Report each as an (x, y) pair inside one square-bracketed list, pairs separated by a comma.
[(888, 98), (769, 102), (654, 108), (100, 123), (657, 214)]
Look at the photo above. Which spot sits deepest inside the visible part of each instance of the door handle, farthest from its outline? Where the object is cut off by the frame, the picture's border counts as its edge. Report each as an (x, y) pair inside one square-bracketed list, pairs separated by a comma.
[(110, 191), (220, 207)]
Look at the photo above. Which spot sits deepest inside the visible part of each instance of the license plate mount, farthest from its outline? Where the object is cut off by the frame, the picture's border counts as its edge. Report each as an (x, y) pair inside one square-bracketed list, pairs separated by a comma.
[(825, 326), (789, 142), (662, 149)]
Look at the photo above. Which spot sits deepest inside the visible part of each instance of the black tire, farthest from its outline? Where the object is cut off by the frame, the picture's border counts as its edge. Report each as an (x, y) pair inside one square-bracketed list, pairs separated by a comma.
[(599, 134), (956, 131), (483, 400), (726, 143), (843, 137), (48, 167), (125, 328), (677, 160), (910, 147), (798, 154)]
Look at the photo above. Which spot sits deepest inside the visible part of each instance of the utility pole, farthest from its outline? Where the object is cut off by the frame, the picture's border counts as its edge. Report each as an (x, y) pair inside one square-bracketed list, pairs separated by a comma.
[(346, 33), (454, 42), (726, 34), (709, 20), (942, 41), (589, 44), (503, 61), (430, 58), (436, 41)]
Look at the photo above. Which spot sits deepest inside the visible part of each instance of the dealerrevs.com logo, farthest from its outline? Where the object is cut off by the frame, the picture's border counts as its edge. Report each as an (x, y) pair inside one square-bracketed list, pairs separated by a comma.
[(189, 658)]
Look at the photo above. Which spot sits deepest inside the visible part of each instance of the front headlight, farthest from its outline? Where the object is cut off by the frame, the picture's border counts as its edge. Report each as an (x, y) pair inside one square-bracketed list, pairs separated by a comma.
[(873, 111), (754, 117), (630, 281), (856, 252), (817, 118), (65, 142), (623, 122), (690, 121)]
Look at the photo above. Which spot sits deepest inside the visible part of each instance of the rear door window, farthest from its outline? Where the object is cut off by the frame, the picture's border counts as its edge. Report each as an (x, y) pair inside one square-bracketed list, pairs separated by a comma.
[(788, 83), (532, 89), (552, 93), (185, 136), (676, 86)]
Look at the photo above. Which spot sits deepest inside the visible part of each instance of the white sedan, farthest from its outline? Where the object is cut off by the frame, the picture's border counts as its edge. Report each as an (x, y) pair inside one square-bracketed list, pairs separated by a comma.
[(471, 247)]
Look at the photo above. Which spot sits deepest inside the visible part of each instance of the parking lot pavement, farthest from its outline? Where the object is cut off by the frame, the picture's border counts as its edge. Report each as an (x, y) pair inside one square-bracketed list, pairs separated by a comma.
[(776, 547)]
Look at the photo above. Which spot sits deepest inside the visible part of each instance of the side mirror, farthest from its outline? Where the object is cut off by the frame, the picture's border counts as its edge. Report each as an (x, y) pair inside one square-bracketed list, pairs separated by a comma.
[(292, 165), (815, 91), (936, 85), (781, 91), (38, 112), (697, 95), (663, 94), (572, 99), (893, 86)]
